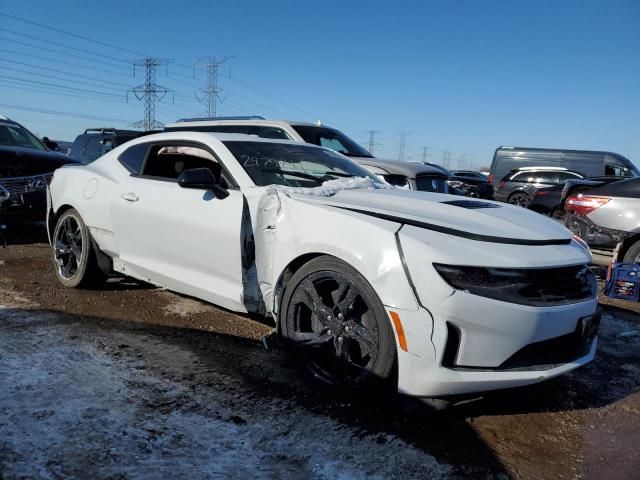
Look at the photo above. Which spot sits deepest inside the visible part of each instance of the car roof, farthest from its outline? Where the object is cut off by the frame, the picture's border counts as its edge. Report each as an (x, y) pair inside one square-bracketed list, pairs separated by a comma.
[(222, 136), (529, 169), (240, 121)]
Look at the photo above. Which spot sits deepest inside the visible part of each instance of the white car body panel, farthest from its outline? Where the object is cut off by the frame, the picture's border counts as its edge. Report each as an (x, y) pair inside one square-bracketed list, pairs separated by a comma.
[(196, 244)]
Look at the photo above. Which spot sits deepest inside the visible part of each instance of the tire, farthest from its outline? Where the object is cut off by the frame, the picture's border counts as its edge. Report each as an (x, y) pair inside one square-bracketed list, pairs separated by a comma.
[(333, 320), (74, 257), (633, 254), (519, 199)]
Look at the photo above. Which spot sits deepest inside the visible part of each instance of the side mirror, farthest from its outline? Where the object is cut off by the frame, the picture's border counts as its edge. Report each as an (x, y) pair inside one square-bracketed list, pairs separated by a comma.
[(202, 179)]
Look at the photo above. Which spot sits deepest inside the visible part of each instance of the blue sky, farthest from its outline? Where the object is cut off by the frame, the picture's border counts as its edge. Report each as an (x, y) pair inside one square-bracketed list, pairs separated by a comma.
[(459, 76)]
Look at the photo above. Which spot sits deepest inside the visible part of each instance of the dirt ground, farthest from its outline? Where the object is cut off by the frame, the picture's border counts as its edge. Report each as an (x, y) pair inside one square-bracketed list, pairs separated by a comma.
[(131, 381)]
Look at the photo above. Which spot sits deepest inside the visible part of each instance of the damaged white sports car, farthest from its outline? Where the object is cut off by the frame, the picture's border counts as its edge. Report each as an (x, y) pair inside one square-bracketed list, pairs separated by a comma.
[(446, 295)]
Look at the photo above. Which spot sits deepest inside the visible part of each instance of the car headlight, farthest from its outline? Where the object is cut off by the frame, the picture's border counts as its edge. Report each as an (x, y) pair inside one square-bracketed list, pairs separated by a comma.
[(525, 286)]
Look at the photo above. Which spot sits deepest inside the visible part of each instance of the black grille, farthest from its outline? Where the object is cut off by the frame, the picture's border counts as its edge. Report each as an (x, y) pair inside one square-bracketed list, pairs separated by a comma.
[(555, 286), (431, 183), (18, 185), (472, 204)]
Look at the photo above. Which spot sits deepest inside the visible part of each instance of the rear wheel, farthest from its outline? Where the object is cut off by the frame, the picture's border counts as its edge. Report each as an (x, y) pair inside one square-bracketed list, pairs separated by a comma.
[(337, 325), (74, 258), (519, 199)]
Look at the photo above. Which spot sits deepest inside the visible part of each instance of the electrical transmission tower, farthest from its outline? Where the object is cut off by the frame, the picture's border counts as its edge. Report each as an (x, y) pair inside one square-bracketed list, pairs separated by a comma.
[(425, 153), (149, 92), (446, 159), (372, 140), (210, 91), (403, 145)]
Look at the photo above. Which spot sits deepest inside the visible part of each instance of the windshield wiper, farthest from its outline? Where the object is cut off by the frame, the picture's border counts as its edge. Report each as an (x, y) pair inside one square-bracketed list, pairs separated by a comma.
[(296, 174)]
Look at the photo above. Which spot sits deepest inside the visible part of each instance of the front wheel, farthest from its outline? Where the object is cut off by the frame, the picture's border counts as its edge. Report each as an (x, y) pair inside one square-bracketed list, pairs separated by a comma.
[(333, 318), (73, 254)]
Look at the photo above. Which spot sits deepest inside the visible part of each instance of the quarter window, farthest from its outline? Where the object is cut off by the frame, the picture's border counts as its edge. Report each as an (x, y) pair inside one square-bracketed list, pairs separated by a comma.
[(133, 157)]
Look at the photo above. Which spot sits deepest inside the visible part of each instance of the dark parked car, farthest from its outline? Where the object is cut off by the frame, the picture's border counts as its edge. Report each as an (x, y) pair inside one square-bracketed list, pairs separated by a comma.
[(587, 163), (95, 142), (519, 185), (550, 201), (26, 167), (474, 184)]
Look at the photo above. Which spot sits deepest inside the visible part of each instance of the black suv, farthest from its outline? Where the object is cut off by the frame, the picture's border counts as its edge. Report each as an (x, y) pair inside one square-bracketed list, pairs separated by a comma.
[(519, 185), (26, 167), (95, 142)]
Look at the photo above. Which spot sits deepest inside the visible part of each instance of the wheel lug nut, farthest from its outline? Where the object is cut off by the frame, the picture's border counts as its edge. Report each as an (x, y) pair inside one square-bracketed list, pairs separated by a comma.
[(340, 339), (328, 332), (340, 316), (346, 329), (328, 317)]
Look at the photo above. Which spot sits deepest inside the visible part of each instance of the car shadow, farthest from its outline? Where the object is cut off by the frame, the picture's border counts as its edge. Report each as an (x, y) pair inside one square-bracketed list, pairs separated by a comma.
[(22, 233)]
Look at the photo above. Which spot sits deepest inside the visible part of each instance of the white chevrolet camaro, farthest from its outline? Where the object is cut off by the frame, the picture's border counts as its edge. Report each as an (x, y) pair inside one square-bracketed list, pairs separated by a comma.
[(445, 295)]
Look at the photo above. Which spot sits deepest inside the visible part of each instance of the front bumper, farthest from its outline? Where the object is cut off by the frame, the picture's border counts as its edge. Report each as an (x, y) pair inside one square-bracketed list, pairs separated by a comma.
[(29, 206), (498, 344), (490, 351)]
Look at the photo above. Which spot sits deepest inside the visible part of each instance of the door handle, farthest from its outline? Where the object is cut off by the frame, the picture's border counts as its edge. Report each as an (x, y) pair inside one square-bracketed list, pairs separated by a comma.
[(129, 197)]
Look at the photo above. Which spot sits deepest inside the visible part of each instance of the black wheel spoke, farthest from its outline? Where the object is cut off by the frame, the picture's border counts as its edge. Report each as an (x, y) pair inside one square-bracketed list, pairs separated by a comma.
[(345, 297), (360, 334)]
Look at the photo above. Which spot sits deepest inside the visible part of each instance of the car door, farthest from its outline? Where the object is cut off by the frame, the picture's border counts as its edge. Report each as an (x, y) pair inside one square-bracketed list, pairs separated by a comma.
[(185, 239)]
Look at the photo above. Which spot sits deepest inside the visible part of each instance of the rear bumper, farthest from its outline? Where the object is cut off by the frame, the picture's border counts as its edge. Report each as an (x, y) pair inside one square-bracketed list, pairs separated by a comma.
[(594, 235)]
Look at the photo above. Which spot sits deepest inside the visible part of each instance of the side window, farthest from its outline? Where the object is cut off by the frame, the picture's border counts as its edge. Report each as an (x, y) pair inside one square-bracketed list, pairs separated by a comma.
[(93, 149), (272, 132), (245, 129), (562, 176), (611, 170), (547, 177), (107, 146), (133, 157), (168, 161), (333, 144)]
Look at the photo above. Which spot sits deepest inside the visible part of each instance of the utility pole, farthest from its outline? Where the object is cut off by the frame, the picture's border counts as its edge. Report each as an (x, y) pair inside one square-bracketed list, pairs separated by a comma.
[(403, 145), (149, 92), (372, 140), (425, 153), (210, 91)]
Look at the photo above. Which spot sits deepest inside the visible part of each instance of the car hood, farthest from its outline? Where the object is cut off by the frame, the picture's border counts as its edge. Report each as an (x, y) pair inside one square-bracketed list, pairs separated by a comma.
[(23, 162), (396, 167), (470, 218)]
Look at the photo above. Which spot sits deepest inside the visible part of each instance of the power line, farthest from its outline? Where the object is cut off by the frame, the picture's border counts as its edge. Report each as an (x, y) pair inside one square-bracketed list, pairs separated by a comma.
[(48, 27), (31, 45), (64, 114), (53, 77), (62, 62), (48, 69), (51, 42), (150, 92), (48, 84), (425, 153)]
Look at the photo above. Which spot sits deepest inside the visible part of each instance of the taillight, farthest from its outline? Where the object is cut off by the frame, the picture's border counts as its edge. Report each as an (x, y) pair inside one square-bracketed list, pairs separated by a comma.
[(500, 184), (540, 193), (584, 204), (490, 179)]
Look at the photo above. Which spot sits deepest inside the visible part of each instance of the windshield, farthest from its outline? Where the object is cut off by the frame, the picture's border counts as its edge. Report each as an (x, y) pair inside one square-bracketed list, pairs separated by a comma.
[(331, 138), (293, 165), (12, 135)]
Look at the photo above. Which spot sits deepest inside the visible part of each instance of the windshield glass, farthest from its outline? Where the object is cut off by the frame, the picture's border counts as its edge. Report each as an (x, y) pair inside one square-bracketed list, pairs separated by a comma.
[(293, 165), (16, 136), (331, 138)]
